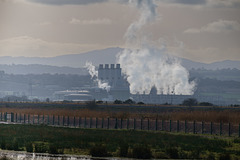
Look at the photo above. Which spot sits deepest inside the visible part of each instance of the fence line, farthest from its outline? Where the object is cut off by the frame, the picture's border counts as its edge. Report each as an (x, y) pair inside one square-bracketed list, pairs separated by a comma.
[(222, 129)]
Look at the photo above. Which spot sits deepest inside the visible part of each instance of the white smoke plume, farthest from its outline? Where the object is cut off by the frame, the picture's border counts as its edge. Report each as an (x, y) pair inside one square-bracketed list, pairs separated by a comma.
[(94, 75), (148, 67)]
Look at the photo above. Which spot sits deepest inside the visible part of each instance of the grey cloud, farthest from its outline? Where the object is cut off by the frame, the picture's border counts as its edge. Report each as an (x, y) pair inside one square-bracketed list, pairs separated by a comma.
[(187, 2), (216, 27), (67, 2)]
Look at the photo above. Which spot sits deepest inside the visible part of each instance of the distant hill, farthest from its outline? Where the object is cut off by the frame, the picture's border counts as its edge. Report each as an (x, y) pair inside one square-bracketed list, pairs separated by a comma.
[(73, 60), (101, 57), (40, 69)]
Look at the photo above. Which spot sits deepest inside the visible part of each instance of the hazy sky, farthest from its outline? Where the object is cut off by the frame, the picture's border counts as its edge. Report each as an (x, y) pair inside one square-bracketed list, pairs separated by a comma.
[(200, 30)]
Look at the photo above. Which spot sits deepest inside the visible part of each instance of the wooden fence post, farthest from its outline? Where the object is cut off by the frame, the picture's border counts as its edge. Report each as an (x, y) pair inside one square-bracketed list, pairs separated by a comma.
[(116, 123), (102, 122), (211, 128), (79, 121), (96, 122), (108, 123), (156, 124), (58, 120), (202, 127), (128, 123), (91, 122), (85, 122), (162, 125), (63, 120), (53, 120), (68, 121), (19, 117), (185, 126), (134, 123), (5, 117), (33, 119), (28, 119), (74, 121), (12, 117), (220, 128), (48, 120), (229, 129), (38, 118), (148, 124), (141, 123), (239, 130), (194, 127), (170, 125), (16, 118), (177, 125), (24, 117), (121, 123)]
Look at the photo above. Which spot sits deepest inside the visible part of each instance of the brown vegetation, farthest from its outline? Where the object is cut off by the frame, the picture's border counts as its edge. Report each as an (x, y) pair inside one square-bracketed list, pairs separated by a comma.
[(225, 116)]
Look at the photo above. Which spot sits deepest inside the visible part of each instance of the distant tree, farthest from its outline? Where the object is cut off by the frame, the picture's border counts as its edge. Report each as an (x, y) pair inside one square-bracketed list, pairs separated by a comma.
[(140, 103), (99, 102), (117, 101), (47, 100), (129, 101), (190, 102), (205, 104)]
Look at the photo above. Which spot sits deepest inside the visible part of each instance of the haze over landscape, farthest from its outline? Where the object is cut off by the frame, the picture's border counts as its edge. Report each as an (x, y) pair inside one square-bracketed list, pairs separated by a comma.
[(84, 79)]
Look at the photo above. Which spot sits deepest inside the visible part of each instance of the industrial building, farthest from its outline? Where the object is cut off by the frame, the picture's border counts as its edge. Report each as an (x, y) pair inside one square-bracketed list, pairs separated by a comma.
[(119, 89)]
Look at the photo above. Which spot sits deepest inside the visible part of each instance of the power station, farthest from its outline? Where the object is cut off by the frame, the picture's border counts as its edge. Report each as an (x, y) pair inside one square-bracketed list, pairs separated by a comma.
[(119, 89)]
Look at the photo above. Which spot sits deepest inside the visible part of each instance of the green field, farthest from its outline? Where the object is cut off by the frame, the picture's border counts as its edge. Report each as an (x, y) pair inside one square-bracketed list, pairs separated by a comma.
[(117, 143)]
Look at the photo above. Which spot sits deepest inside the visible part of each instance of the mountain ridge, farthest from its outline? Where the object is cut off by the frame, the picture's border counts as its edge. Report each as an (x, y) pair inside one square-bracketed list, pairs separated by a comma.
[(104, 56)]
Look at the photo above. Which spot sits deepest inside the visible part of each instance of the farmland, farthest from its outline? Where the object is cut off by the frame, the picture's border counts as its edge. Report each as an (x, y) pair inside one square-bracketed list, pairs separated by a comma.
[(88, 130), (118, 143)]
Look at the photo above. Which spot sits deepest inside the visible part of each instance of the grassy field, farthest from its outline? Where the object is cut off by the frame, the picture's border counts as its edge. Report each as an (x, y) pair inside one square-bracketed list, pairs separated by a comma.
[(119, 143)]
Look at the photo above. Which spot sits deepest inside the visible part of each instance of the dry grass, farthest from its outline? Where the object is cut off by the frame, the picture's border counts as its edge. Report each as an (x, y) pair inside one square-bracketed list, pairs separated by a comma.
[(225, 116)]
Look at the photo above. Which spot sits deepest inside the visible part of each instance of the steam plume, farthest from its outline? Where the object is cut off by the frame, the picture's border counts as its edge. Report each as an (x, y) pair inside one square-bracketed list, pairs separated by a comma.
[(94, 75), (149, 67)]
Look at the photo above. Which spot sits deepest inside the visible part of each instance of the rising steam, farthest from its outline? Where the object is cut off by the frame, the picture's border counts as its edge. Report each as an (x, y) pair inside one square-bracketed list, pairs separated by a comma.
[(94, 75), (148, 67)]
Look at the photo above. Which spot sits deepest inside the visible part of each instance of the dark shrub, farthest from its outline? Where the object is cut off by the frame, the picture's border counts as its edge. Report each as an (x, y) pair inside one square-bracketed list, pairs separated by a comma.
[(225, 156), (53, 149), (41, 148), (141, 152), (172, 152), (99, 151), (211, 156), (15, 145), (3, 144), (29, 147), (123, 150), (9, 146)]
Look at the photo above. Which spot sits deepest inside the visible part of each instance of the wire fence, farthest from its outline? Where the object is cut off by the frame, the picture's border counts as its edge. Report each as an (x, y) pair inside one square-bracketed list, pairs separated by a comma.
[(222, 129)]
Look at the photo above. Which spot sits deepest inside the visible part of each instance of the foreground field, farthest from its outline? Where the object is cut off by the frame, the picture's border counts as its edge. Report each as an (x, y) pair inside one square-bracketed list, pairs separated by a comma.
[(119, 143)]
